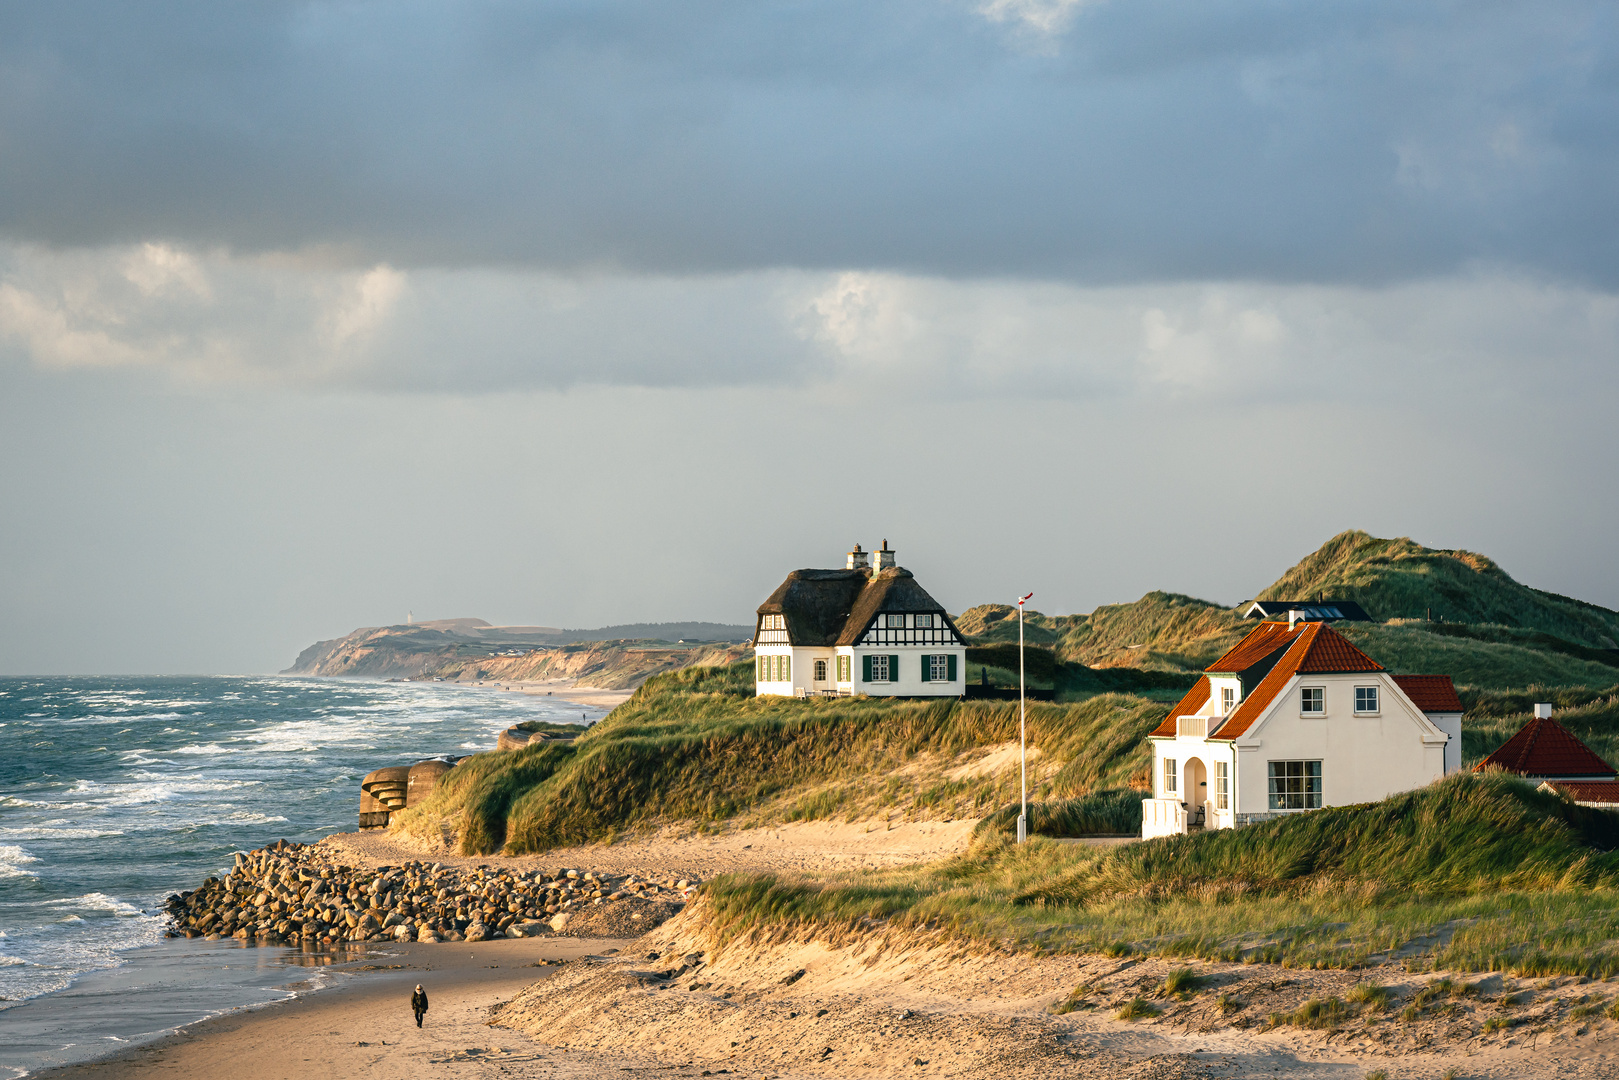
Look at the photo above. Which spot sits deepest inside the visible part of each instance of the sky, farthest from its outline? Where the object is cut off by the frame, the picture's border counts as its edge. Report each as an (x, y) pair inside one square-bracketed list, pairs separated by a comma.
[(582, 313)]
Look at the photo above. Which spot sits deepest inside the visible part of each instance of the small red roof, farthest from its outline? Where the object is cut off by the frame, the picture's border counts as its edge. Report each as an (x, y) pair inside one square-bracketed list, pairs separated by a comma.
[(1543, 747), (1186, 706), (1430, 693), (1601, 792), (1330, 653)]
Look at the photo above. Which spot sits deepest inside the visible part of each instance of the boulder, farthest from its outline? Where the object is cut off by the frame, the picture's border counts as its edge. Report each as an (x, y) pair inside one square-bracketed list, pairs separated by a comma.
[(527, 929), (559, 922), (477, 932), (404, 932)]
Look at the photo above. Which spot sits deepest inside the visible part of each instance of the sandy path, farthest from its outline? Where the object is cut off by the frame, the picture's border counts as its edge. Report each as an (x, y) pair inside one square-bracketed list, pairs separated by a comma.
[(814, 846)]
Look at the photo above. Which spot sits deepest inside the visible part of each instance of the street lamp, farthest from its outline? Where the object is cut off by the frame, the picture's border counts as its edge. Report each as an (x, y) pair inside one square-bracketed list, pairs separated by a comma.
[(1022, 728)]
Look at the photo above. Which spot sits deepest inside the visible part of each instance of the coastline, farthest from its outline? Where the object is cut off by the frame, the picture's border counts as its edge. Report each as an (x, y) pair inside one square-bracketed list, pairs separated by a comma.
[(361, 1023), (589, 697)]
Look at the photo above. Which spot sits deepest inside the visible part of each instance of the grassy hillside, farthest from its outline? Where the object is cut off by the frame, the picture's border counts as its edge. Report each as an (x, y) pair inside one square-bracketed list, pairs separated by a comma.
[(1476, 873), (1401, 579), (1160, 632), (696, 746)]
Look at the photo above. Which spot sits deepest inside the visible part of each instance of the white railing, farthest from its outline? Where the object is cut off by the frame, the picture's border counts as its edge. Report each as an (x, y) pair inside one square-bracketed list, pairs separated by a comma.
[(1162, 817), (1197, 726)]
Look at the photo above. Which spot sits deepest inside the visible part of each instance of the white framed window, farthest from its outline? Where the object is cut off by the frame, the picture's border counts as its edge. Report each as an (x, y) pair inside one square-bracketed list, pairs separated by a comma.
[(1313, 701), (1171, 782), (938, 669), (1222, 785), (1295, 785), (820, 671), (1228, 699), (764, 669), (879, 669), (924, 622), (1365, 700), (773, 622), (894, 622), (843, 668)]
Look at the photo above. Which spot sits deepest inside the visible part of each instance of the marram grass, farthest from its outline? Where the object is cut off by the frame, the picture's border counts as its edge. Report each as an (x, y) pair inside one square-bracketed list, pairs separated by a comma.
[(1475, 873)]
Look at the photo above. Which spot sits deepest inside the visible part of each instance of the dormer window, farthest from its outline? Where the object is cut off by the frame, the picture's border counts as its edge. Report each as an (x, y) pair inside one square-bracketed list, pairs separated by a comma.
[(894, 622), (1228, 699), (772, 622)]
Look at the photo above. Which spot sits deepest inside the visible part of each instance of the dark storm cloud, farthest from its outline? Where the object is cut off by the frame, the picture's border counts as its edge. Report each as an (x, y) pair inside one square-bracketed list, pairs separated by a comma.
[(1144, 140)]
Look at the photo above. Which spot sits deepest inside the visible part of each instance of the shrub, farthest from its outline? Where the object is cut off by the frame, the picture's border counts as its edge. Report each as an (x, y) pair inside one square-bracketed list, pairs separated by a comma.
[(1181, 981), (1374, 997), (1497, 1023), (1318, 1013), (1137, 1009)]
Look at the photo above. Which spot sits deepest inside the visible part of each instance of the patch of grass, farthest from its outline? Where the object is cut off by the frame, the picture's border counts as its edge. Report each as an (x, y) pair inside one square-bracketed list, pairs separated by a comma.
[(1227, 1004), (1590, 1008), (1498, 1023), (1111, 812), (1319, 1013), (1181, 982), (1137, 1009), (1372, 996), (1377, 1074), (1075, 1000)]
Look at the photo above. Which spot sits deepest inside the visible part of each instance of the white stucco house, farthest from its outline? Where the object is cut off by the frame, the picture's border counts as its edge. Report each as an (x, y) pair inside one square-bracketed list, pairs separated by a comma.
[(1292, 719), (866, 629)]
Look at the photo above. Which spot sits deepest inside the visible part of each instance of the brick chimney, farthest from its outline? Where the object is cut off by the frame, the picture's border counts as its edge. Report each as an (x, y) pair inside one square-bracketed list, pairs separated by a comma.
[(858, 560), (885, 558)]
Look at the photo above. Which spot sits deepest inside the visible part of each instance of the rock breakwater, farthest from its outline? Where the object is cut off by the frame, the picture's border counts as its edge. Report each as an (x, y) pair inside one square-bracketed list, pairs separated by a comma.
[(300, 894)]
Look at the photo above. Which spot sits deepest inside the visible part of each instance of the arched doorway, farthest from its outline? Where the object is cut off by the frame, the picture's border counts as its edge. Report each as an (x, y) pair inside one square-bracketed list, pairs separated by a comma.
[(1195, 790)]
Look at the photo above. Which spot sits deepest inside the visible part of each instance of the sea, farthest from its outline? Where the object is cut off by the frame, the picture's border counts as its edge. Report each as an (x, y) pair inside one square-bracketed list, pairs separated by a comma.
[(116, 792)]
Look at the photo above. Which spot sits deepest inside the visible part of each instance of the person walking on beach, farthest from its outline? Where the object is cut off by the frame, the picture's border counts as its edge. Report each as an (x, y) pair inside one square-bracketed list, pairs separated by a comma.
[(418, 1003)]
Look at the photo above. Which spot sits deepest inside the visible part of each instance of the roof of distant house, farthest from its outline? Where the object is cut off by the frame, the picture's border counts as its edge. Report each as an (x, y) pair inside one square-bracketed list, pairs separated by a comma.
[(1430, 693), (1545, 748), (1597, 792), (1314, 610), (835, 607)]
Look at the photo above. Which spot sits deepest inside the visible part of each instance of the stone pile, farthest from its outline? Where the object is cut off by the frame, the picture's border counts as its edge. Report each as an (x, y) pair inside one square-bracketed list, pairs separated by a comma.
[(288, 894)]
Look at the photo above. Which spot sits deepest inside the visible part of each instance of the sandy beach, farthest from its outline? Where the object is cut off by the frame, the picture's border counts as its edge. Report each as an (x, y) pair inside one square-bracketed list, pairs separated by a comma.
[(593, 697)]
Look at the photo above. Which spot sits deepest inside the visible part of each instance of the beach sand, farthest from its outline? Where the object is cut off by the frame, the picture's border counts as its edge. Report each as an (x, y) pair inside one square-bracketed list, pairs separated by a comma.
[(593, 697), (363, 1026)]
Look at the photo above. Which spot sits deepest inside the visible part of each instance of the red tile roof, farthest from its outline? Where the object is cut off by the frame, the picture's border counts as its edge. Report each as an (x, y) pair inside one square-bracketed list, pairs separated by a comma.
[(1187, 706), (1265, 640), (1430, 693), (1330, 653), (1243, 716), (1601, 792), (1543, 747)]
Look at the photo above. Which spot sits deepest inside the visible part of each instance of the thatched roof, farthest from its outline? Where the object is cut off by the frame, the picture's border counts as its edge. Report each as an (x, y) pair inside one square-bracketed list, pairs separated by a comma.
[(836, 607)]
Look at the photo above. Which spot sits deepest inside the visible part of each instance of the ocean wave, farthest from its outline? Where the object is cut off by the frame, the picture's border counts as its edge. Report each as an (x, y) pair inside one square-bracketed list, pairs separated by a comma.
[(12, 961), (48, 831), (13, 857), (97, 901)]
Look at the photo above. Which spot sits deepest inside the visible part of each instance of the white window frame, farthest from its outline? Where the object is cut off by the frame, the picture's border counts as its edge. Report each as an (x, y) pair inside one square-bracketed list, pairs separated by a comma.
[(893, 622), (1171, 777), (939, 668), (773, 622), (1309, 796), (844, 663), (1377, 700), (1222, 785), (820, 671), (1228, 700), (880, 668), (1320, 693), (924, 622)]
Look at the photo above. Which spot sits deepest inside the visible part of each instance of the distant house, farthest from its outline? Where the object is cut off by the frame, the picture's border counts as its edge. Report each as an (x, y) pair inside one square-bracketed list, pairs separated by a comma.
[(865, 629), (1547, 751), (1316, 610), (1294, 718)]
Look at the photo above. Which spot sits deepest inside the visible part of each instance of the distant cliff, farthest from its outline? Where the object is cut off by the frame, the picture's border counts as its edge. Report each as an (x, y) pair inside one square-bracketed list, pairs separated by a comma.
[(453, 648)]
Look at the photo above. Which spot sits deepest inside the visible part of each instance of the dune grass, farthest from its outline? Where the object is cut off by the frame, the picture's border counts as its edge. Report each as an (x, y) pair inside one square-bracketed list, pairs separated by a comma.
[(696, 746), (1414, 649), (1475, 873)]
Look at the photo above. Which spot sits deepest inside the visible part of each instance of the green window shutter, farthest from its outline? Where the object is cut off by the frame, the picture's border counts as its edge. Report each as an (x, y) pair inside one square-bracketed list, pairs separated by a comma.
[(893, 669), (762, 671), (787, 669), (865, 669), (951, 663), (925, 660)]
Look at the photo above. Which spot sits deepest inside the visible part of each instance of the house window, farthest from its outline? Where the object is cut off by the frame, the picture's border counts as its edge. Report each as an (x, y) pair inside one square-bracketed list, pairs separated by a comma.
[(764, 669), (1228, 699), (924, 622), (1313, 701), (820, 671), (1295, 785), (843, 669), (1366, 699), (1222, 785), (1170, 785), (894, 622), (773, 622), (938, 669), (879, 669)]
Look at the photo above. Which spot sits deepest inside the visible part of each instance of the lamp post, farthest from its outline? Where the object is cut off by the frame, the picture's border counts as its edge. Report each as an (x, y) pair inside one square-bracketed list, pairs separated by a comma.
[(1022, 729)]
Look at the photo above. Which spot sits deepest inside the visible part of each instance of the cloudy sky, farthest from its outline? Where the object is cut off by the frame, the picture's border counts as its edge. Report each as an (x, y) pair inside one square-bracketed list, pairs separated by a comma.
[(581, 313)]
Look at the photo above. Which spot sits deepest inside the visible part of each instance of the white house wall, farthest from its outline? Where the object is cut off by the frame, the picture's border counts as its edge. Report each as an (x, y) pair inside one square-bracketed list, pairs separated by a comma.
[(910, 682), (1363, 758)]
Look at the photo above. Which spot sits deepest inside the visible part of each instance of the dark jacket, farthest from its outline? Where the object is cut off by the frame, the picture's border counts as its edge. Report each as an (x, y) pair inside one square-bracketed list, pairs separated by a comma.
[(418, 1001)]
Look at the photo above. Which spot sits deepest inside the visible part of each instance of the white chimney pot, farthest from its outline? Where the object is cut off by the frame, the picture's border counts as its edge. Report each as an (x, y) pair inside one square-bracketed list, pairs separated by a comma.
[(1543, 710)]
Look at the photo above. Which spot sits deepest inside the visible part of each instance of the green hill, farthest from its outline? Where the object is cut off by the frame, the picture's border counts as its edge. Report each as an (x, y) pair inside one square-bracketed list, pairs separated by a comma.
[(1401, 579)]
